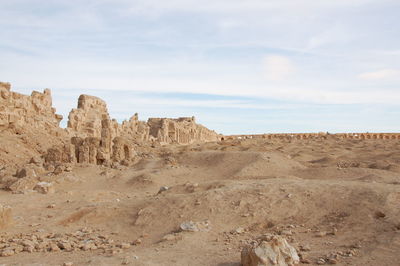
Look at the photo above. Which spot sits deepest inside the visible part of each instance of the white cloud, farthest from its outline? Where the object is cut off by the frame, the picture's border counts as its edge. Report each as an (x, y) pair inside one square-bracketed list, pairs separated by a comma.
[(278, 68), (382, 74)]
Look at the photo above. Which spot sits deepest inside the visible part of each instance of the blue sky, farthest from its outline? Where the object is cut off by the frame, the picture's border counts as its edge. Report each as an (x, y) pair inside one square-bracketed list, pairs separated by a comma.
[(239, 66)]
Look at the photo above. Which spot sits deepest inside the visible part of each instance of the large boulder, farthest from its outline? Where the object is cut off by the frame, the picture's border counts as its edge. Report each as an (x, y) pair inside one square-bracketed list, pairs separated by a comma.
[(268, 251), (22, 185)]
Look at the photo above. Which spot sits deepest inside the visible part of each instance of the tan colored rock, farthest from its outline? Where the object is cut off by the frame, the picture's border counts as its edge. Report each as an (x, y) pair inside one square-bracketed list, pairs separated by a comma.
[(23, 184), (5, 216), (26, 172), (272, 251), (44, 188)]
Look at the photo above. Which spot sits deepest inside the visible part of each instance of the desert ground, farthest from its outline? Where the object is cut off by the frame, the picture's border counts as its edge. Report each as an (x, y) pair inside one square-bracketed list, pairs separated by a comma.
[(335, 200)]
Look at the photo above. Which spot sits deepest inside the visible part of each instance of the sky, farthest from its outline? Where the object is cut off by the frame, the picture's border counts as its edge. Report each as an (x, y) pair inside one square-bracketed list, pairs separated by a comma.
[(239, 66)]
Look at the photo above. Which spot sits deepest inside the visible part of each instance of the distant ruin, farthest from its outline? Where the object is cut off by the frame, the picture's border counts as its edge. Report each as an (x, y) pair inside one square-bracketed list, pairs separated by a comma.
[(321, 135), (91, 136)]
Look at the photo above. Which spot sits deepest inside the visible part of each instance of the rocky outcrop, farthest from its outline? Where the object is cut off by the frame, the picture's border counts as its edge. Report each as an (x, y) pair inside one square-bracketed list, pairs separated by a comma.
[(34, 112), (183, 130), (268, 251)]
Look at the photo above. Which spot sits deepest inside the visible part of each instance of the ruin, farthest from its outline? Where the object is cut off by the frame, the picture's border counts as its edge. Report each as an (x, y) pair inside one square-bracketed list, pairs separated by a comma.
[(21, 112), (183, 130), (91, 136), (320, 135)]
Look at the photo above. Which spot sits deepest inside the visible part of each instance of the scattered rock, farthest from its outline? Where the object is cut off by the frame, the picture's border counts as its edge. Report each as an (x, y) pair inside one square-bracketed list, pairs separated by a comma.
[(191, 226), (44, 187), (305, 248), (7, 252), (239, 230), (24, 172), (172, 237), (305, 261), (162, 189), (124, 245), (23, 184), (276, 251), (320, 234), (59, 169), (137, 242), (332, 261), (36, 160), (379, 215)]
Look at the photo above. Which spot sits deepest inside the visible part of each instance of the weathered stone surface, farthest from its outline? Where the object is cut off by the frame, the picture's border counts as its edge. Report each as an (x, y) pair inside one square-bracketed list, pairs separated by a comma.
[(44, 187), (268, 251), (5, 216), (23, 184)]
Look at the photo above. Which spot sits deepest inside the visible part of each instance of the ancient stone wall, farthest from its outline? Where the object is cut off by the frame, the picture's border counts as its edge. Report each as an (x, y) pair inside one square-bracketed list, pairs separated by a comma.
[(183, 130), (27, 112), (321, 135)]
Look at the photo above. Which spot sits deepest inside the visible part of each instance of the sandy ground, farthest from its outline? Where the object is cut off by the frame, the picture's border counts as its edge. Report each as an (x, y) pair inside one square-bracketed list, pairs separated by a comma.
[(327, 197)]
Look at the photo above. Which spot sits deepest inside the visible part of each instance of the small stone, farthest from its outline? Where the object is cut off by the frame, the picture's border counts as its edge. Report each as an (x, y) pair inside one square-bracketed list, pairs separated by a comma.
[(54, 247), (162, 189), (189, 226), (137, 242), (286, 232), (379, 215), (58, 170), (126, 261), (332, 261), (305, 261), (124, 245), (320, 234), (239, 230), (305, 248), (7, 252), (44, 187), (29, 249), (51, 206), (68, 263), (171, 237), (65, 246)]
